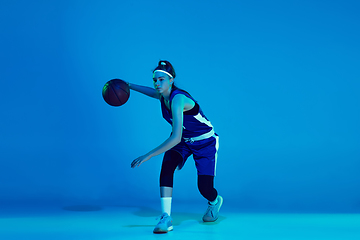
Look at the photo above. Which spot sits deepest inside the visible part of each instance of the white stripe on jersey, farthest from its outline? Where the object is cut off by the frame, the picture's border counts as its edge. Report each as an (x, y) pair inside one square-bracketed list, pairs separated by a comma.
[(201, 119), (216, 154)]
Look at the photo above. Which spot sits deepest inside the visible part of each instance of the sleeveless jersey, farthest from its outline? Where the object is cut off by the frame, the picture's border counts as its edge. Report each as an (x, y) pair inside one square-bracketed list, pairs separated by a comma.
[(193, 125)]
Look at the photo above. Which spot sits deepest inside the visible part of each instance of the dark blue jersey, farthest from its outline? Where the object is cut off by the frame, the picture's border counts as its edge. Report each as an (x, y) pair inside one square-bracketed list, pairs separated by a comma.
[(193, 125)]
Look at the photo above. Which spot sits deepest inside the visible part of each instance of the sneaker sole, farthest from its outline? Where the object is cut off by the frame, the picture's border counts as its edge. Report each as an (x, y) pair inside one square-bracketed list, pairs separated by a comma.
[(163, 231)]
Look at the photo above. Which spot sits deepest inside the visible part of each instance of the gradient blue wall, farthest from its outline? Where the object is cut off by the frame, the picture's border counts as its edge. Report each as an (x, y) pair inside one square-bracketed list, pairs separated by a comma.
[(278, 79)]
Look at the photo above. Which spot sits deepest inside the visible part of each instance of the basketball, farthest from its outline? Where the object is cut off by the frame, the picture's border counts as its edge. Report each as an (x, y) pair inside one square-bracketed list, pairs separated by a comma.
[(116, 92)]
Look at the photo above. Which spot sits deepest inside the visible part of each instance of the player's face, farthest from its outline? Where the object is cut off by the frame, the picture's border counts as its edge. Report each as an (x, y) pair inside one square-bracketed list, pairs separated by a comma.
[(162, 82)]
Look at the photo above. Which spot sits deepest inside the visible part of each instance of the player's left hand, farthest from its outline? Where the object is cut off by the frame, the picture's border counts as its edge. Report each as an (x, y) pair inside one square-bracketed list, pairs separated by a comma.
[(137, 162)]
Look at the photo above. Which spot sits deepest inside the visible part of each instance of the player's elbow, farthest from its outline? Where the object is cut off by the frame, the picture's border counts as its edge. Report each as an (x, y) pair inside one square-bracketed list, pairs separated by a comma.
[(176, 138)]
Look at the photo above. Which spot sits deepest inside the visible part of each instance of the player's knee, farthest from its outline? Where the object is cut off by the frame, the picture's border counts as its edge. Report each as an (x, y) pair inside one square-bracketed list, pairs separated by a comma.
[(170, 162), (166, 180), (166, 176), (206, 187)]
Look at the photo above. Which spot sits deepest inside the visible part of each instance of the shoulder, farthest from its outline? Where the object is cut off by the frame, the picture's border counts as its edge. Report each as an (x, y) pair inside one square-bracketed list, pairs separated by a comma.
[(178, 99), (178, 102), (174, 93), (178, 93)]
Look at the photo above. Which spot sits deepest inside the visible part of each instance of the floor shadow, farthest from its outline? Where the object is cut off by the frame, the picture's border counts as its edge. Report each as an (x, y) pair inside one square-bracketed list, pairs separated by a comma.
[(82, 208), (135, 226), (179, 217)]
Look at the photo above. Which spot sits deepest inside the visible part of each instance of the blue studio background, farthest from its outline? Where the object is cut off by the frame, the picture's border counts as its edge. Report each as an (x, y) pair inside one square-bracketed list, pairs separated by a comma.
[(279, 80)]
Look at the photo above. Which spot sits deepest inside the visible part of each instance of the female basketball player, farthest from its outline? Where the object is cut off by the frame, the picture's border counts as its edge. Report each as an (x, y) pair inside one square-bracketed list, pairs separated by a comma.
[(192, 133)]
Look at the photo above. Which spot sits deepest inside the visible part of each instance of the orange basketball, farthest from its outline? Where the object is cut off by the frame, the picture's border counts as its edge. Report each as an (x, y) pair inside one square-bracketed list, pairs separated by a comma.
[(116, 92)]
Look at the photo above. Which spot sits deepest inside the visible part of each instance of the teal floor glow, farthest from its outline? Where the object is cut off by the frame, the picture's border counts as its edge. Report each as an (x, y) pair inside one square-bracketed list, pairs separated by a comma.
[(125, 222)]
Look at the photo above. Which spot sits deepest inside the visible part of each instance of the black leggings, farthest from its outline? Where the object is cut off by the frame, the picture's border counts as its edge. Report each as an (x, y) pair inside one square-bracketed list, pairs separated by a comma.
[(171, 160)]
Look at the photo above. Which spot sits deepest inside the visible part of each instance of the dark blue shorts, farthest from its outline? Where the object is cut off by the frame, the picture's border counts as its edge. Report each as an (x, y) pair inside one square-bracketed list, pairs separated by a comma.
[(204, 153)]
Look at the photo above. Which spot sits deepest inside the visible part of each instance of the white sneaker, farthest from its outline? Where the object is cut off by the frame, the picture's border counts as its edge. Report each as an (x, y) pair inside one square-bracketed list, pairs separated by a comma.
[(164, 225), (212, 213)]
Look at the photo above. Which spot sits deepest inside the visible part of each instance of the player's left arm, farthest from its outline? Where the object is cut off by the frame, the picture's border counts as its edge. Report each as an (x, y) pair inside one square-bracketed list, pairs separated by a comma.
[(177, 108)]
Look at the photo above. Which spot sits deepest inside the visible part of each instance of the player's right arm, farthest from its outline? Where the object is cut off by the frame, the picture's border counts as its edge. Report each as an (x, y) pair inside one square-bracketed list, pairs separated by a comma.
[(148, 91)]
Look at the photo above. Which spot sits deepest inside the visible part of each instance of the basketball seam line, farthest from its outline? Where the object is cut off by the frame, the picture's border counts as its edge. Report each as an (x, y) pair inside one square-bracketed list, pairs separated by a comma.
[(116, 94)]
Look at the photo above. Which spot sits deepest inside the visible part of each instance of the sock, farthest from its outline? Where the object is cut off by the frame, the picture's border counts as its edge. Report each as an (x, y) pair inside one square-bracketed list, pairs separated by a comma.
[(166, 205), (215, 201)]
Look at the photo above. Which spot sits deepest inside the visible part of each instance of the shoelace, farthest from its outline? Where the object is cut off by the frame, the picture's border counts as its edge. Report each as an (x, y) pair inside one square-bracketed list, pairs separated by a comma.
[(209, 209), (163, 218)]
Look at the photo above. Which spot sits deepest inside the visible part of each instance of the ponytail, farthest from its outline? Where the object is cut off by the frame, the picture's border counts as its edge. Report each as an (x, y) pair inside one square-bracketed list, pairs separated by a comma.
[(165, 66)]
